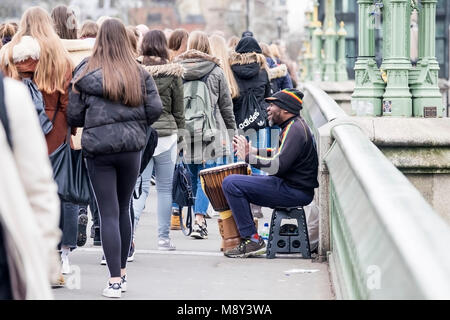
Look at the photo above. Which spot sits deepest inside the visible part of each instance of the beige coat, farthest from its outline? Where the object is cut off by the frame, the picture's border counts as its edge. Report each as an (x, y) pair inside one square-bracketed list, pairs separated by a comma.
[(29, 203), (78, 50)]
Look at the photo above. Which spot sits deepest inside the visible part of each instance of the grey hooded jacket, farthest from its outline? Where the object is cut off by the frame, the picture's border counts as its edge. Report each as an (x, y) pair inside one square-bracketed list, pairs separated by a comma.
[(110, 127), (198, 64)]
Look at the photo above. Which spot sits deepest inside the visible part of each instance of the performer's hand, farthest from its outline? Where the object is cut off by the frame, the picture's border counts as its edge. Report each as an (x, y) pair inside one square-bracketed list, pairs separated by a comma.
[(241, 147)]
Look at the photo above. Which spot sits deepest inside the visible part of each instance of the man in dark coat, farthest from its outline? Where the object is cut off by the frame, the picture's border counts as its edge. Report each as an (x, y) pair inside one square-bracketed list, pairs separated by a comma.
[(292, 171)]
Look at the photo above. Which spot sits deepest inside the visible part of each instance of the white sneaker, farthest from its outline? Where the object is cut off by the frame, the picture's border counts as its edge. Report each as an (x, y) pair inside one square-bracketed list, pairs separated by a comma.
[(123, 283), (65, 268), (166, 245), (103, 261), (199, 231), (113, 290)]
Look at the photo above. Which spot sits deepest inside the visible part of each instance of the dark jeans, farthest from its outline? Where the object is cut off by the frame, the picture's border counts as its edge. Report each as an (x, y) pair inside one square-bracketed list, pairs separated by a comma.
[(68, 223), (5, 281), (265, 191), (113, 178)]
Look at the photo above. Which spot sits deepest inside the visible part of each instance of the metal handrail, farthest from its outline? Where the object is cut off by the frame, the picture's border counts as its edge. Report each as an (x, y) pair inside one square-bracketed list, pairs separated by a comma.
[(417, 236), (377, 217)]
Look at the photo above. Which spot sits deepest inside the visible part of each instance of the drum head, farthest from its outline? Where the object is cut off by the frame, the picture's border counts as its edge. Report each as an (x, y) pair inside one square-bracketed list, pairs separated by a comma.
[(224, 167)]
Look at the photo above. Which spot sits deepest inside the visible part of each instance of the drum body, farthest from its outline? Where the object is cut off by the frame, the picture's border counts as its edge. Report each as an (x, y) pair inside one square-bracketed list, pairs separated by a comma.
[(211, 180), (212, 183)]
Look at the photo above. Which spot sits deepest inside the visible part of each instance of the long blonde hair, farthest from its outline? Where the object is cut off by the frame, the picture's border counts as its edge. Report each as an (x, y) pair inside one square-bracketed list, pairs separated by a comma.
[(266, 50), (232, 42), (54, 62), (219, 50), (198, 40), (275, 51)]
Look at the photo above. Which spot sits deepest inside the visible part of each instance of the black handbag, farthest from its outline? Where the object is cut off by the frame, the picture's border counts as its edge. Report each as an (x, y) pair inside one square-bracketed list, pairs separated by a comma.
[(147, 155), (182, 194), (70, 173)]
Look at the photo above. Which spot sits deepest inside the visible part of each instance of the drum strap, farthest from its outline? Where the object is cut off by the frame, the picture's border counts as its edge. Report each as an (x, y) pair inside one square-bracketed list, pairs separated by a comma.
[(187, 229)]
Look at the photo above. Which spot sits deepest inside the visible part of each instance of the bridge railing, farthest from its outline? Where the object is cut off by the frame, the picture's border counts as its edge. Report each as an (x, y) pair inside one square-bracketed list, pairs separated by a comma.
[(382, 239)]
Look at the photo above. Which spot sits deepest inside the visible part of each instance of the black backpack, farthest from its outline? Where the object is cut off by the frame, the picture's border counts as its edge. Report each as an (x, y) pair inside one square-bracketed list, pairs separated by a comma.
[(147, 154), (251, 115)]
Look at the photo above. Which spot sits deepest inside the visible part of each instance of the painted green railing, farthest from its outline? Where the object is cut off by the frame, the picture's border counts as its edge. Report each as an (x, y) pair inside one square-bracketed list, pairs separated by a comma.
[(385, 240)]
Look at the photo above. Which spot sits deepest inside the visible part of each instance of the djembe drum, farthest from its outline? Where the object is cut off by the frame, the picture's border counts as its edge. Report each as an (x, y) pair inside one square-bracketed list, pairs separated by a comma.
[(211, 180)]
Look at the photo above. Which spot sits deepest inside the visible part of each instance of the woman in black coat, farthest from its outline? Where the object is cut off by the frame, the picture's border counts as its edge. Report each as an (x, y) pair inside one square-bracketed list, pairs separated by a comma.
[(115, 101)]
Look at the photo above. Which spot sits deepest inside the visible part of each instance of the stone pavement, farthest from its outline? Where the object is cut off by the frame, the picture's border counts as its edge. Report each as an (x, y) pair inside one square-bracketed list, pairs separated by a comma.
[(197, 270)]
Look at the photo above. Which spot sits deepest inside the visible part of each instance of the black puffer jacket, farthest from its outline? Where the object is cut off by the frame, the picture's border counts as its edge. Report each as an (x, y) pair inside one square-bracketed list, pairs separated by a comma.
[(110, 127), (250, 74)]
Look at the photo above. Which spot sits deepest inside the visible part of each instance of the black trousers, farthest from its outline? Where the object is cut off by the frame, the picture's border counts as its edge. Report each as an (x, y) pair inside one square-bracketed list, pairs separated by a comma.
[(113, 178), (265, 191)]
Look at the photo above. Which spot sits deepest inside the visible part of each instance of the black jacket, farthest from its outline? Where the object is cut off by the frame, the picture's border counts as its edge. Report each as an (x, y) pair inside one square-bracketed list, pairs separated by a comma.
[(110, 127), (250, 76), (295, 161)]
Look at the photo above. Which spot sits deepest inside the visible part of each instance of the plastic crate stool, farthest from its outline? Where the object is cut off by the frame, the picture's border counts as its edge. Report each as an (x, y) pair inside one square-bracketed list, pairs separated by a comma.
[(288, 240)]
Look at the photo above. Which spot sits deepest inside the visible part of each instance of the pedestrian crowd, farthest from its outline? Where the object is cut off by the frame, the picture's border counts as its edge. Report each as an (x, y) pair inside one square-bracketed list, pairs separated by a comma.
[(103, 90)]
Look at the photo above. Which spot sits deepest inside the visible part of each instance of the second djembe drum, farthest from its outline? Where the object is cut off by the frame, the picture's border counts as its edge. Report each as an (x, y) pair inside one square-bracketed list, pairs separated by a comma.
[(212, 185)]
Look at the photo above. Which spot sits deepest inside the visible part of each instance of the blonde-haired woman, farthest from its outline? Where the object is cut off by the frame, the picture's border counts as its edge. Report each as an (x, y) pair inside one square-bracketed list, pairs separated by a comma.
[(201, 65), (37, 53), (232, 42), (278, 73), (278, 55), (219, 49)]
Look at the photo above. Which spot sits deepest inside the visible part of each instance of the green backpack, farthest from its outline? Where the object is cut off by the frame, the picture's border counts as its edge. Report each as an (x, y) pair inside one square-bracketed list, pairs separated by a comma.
[(198, 112)]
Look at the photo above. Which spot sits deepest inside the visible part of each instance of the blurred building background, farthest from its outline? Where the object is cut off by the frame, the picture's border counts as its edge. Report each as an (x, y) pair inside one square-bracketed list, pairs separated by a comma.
[(347, 11), (270, 20)]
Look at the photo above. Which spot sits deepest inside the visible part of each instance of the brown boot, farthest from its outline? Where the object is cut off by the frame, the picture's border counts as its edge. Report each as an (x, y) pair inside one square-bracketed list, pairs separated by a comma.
[(175, 220), (60, 282)]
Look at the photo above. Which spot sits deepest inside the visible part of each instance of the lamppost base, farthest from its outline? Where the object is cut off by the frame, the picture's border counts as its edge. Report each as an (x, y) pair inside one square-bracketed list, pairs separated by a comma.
[(427, 107), (397, 107), (364, 106)]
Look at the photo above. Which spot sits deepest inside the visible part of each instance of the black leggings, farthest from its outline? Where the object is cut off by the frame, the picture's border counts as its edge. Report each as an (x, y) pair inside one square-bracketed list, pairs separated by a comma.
[(113, 179)]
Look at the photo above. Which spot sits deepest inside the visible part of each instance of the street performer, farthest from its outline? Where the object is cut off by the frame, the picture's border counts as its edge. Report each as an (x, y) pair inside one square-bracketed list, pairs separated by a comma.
[(292, 169)]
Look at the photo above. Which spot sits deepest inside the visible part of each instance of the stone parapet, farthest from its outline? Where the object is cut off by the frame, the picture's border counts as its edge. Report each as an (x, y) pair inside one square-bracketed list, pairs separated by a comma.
[(420, 149)]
